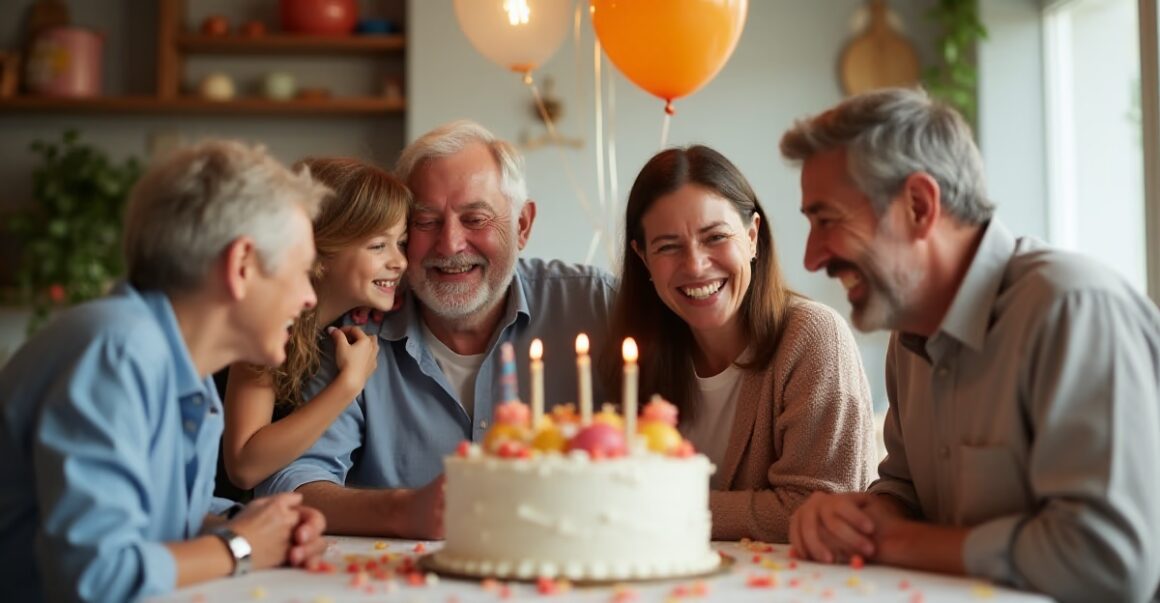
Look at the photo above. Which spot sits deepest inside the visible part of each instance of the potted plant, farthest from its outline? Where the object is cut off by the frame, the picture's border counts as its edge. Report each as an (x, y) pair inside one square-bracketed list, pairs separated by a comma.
[(70, 235)]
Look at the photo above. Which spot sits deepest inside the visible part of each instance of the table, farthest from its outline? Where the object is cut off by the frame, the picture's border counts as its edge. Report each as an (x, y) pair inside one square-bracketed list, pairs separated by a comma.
[(759, 573)]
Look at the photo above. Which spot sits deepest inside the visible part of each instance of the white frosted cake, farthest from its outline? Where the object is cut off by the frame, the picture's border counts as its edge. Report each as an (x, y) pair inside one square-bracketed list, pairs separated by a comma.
[(526, 506)]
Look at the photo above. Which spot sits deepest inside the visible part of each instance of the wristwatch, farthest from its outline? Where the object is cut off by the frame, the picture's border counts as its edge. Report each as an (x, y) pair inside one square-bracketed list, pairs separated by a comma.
[(239, 547)]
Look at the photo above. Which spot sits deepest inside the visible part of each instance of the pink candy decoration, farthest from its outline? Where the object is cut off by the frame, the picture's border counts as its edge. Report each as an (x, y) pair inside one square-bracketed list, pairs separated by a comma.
[(658, 409), (599, 440), (513, 413)]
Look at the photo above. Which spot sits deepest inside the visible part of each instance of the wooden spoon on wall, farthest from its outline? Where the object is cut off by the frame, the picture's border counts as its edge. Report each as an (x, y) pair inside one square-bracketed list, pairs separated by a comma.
[(879, 57)]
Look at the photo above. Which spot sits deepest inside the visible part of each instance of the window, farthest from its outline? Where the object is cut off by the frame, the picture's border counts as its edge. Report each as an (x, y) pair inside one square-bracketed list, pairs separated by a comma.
[(1096, 135)]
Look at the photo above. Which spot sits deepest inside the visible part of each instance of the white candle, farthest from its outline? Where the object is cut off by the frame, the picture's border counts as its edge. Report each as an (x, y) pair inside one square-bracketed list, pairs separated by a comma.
[(630, 386), (536, 353), (584, 373)]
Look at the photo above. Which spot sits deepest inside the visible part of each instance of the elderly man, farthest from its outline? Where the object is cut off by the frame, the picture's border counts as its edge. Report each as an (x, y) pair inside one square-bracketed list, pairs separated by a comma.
[(110, 422), (377, 469), (1023, 432)]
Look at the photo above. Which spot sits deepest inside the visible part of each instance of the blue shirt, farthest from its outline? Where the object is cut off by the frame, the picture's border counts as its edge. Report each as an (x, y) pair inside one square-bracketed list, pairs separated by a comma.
[(408, 417), (109, 444)]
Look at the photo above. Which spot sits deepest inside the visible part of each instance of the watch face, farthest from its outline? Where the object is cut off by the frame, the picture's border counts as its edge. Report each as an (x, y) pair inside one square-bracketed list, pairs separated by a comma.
[(239, 547)]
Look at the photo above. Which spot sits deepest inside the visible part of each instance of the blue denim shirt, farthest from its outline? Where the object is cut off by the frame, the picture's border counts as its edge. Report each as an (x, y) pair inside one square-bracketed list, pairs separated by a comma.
[(109, 444), (397, 431)]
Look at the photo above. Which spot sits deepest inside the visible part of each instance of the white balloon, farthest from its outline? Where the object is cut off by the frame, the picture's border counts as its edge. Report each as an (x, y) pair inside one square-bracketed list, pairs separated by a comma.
[(519, 35)]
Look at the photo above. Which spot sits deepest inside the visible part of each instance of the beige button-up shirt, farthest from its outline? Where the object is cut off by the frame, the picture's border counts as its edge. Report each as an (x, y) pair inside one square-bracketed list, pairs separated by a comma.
[(1032, 417)]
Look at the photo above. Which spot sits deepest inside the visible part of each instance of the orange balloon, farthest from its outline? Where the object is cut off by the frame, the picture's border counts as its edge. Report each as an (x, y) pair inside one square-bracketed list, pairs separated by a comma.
[(670, 48)]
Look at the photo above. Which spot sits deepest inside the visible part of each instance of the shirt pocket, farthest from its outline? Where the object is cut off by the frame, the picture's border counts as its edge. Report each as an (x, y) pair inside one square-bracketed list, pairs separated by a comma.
[(990, 484)]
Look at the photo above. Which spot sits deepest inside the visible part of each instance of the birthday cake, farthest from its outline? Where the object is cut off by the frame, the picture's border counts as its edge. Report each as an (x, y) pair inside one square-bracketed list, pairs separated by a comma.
[(577, 499)]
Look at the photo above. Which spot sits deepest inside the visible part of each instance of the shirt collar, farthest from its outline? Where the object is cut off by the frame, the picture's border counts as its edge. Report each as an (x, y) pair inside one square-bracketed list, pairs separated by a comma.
[(404, 324), (969, 316), (188, 380)]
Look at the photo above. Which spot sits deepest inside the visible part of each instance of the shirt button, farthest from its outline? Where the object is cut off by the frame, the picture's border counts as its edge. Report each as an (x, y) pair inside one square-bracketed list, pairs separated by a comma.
[(944, 452), (190, 426), (196, 400), (483, 424)]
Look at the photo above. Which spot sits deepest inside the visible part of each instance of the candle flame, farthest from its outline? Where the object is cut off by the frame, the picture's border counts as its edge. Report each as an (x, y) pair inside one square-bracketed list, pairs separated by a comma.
[(536, 352), (629, 350), (582, 344)]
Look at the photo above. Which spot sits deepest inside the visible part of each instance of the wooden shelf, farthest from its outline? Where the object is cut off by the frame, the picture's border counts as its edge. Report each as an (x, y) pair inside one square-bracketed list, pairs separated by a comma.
[(193, 105), (291, 44)]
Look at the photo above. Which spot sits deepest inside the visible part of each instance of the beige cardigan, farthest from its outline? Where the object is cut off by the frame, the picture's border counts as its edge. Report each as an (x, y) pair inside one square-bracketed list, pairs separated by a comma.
[(805, 423)]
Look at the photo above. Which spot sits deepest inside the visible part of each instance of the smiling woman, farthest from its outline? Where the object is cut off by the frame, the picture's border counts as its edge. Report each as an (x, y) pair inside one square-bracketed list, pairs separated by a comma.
[(769, 385)]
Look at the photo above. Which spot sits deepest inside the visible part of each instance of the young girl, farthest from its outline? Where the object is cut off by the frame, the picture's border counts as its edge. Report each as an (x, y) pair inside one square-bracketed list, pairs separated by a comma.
[(360, 235)]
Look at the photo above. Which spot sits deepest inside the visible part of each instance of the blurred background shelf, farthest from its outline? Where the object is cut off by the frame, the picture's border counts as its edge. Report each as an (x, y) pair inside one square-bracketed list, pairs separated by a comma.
[(195, 105), (275, 43)]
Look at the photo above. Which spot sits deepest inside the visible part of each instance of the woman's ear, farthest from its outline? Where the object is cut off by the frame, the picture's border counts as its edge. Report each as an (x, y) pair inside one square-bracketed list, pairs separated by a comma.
[(754, 228), (638, 252)]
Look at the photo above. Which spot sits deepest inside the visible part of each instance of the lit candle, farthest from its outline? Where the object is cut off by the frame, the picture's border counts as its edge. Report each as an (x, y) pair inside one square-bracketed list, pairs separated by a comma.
[(630, 384), (537, 354), (584, 373)]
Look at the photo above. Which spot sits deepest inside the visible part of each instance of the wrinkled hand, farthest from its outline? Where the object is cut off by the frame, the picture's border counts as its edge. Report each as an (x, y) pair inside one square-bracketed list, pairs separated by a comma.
[(831, 528), (420, 512), (356, 354), (308, 545), (268, 523)]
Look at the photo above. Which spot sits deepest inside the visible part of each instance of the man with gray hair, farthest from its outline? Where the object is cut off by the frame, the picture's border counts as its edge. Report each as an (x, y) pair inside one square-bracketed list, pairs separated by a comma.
[(110, 422), (1023, 431), (377, 469)]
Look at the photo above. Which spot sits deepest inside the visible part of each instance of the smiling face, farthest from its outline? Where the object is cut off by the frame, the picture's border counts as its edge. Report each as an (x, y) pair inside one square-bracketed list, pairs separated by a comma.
[(367, 272), (274, 298), (862, 250), (698, 252), (464, 238)]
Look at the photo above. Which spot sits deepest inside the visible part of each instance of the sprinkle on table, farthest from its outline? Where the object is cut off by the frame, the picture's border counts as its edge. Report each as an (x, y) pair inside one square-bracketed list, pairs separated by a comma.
[(258, 593), (380, 545), (983, 591), (857, 562), (420, 547)]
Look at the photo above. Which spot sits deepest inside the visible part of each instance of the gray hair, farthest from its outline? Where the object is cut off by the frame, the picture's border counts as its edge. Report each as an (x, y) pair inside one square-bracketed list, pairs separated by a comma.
[(892, 133), (187, 209), (451, 138)]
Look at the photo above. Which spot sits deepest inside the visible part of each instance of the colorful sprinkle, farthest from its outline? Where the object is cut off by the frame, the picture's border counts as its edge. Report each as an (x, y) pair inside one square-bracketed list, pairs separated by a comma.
[(382, 546), (857, 562), (983, 591), (761, 581), (420, 548), (258, 593)]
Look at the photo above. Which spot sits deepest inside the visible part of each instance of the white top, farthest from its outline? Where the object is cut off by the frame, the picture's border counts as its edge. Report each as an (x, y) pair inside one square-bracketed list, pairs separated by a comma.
[(710, 429), (460, 370)]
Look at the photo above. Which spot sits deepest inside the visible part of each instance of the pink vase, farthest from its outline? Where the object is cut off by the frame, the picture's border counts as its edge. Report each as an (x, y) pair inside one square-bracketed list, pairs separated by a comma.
[(319, 17), (65, 61)]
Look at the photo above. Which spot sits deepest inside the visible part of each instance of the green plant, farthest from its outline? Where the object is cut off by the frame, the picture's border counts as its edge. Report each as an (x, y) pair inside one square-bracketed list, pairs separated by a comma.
[(70, 235), (955, 79)]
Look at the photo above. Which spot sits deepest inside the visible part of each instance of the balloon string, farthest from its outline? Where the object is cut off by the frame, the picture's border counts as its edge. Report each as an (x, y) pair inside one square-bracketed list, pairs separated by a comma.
[(598, 95), (665, 130), (584, 203), (613, 179)]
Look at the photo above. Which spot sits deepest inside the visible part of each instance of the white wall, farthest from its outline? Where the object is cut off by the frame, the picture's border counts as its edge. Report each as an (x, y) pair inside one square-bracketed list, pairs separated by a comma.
[(784, 67), (1011, 113)]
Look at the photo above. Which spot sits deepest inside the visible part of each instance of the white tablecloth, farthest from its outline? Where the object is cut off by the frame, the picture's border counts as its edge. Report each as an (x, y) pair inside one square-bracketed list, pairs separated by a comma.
[(756, 575)]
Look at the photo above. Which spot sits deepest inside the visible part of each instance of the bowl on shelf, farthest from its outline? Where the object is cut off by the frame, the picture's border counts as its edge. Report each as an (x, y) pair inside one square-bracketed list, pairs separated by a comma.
[(319, 17)]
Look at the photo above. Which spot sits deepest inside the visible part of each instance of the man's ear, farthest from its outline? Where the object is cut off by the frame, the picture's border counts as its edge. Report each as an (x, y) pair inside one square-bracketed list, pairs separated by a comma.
[(524, 225), (241, 266), (923, 199)]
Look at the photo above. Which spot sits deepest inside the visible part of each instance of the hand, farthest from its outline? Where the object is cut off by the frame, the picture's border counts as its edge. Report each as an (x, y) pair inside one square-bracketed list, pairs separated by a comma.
[(267, 524), (833, 527), (356, 353), (419, 513), (308, 545)]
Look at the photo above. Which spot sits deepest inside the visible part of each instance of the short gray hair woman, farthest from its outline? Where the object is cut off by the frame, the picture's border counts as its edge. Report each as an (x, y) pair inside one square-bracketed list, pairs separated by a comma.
[(185, 211)]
